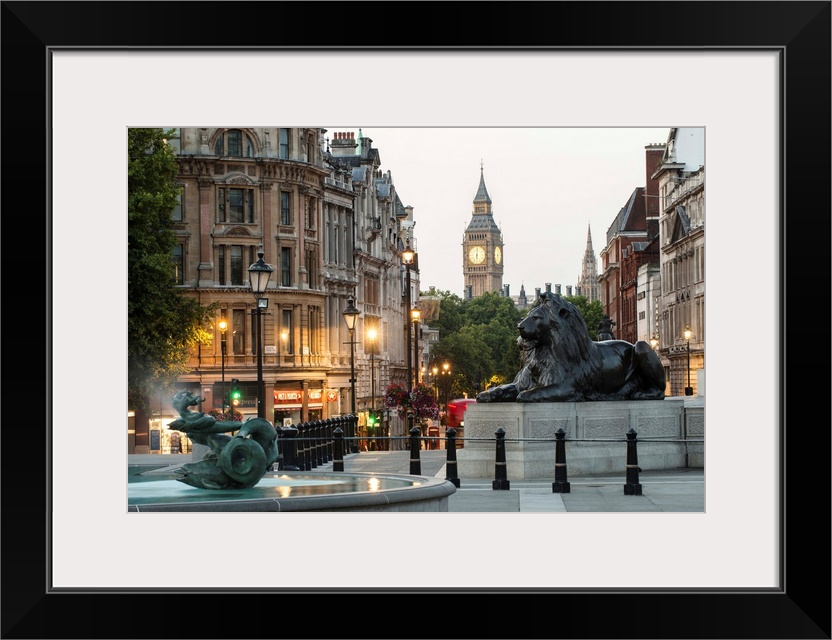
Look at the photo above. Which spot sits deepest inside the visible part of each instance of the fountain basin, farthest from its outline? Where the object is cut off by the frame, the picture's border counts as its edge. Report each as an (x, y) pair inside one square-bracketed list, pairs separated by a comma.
[(295, 491)]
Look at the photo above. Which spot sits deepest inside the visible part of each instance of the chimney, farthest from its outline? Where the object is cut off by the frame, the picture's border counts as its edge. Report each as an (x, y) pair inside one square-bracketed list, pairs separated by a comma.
[(569, 290), (505, 288), (549, 287), (653, 160), (343, 144), (537, 292)]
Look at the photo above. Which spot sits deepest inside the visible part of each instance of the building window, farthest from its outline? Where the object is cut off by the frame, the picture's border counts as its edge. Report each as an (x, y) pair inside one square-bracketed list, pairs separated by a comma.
[(283, 144), (176, 214), (238, 328), (234, 143), (286, 267), (286, 330), (314, 329), (285, 211), (311, 268), (237, 265), (371, 290), (173, 141), (178, 264), (236, 205)]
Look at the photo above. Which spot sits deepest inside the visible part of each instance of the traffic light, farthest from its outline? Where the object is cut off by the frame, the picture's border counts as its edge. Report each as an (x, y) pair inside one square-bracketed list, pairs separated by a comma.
[(235, 396), (371, 419)]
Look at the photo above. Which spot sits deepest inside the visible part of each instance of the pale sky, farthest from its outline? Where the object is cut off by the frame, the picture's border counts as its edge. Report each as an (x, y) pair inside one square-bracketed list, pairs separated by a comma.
[(547, 185)]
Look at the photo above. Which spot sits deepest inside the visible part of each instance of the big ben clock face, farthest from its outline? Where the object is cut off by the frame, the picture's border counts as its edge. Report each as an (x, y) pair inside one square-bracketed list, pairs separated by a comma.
[(498, 255), (476, 255)]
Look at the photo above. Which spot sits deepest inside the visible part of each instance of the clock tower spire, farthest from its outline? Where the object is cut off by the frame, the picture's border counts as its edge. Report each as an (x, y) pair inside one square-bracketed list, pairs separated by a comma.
[(482, 247)]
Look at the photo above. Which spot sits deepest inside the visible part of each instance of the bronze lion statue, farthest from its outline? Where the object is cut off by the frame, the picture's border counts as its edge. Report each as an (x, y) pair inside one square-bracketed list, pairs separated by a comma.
[(561, 363)]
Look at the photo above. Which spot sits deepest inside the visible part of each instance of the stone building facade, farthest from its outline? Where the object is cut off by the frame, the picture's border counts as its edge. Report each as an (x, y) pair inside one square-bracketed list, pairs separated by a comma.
[(681, 178), (333, 227)]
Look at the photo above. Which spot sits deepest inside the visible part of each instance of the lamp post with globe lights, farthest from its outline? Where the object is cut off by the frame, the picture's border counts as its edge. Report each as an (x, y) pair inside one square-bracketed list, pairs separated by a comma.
[(350, 317), (688, 335), (259, 274), (408, 258), (223, 327), (415, 316)]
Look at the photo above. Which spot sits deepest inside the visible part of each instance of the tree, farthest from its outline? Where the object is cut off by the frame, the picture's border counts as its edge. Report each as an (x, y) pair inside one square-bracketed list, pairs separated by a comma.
[(591, 311), (451, 318), (162, 324)]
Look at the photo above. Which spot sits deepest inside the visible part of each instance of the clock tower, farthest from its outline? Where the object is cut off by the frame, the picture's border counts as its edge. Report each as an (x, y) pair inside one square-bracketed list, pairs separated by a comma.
[(482, 248)]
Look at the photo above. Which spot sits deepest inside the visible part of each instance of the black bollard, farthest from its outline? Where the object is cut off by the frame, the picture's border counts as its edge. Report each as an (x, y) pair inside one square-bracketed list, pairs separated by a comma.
[(415, 460), (500, 476), (289, 448), (319, 442), (306, 443), (313, 444), (281, 448), (633, 487), (450, 464), (328, 425), (309, 451), (560, 485), (352, 427), (338, 446)]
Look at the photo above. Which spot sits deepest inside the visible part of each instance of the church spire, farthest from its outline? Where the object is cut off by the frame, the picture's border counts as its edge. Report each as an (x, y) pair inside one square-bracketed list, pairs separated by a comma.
[(588, 282)]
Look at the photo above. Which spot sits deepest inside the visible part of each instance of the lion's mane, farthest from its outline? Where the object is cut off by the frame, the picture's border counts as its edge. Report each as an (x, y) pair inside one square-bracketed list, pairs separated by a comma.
[(551, 359)]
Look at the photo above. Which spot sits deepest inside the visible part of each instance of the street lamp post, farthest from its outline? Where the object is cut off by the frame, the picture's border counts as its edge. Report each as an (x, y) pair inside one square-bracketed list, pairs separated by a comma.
[(688, 334), (415, 315), (408, 256), (223, 325), (371, 337), (350, 317), (446, 371), (436, 383), (258, 275)]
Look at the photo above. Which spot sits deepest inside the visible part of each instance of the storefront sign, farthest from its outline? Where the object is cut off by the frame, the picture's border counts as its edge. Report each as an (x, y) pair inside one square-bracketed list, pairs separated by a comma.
[(285, 398), (332, 396)]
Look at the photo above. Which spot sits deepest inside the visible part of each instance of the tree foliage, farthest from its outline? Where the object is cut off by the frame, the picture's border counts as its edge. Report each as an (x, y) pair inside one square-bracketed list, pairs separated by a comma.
[(591, 311), (162, 324)]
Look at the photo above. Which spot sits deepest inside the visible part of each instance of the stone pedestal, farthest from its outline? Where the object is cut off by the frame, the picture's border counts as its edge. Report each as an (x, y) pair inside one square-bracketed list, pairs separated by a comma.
[(530, 437)]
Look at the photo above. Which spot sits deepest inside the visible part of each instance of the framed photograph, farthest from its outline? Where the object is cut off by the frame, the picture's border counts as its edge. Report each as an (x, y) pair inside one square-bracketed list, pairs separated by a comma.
[(756, 75)]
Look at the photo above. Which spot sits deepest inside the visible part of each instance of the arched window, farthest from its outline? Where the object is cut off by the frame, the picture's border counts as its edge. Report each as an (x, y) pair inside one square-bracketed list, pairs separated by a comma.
[(234, 143)]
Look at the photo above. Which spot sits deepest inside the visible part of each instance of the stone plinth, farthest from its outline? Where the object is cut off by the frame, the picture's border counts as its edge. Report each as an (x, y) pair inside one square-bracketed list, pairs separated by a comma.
[(530, 437)]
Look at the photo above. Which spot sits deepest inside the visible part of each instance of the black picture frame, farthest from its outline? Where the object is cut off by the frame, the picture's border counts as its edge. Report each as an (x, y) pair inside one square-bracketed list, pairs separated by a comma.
[(801, 609)]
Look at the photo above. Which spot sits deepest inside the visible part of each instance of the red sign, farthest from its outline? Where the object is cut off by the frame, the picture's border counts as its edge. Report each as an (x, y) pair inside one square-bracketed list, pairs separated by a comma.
[(331, 396), (296, 396)]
